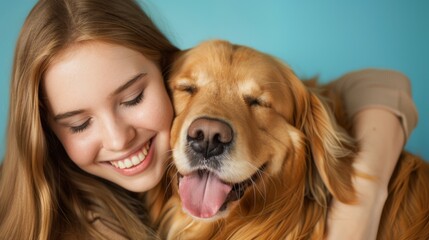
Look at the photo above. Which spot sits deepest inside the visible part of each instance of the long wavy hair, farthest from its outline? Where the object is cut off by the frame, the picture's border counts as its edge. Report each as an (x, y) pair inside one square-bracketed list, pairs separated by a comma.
[(43, 194)]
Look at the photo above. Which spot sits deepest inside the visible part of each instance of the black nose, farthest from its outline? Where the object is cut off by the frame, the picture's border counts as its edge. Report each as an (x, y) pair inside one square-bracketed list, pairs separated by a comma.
[(209, 137)]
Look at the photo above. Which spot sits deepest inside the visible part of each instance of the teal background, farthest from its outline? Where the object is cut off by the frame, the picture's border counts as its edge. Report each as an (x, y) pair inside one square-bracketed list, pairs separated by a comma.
[(325, 38)]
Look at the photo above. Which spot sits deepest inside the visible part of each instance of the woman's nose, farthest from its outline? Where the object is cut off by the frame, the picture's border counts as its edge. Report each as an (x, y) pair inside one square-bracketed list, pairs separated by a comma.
[(117, 134)]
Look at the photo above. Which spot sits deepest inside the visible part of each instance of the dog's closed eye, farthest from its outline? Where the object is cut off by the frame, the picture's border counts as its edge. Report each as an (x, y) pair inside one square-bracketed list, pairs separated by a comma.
[(186, 87), (252, 101)]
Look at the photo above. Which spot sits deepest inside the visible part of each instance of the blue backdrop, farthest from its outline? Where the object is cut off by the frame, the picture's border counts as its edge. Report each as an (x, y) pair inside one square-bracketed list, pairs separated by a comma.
[(326, 38)]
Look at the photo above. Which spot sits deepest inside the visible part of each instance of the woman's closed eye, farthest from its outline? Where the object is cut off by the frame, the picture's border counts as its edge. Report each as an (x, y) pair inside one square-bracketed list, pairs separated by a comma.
[(81, 127), (133, 101)]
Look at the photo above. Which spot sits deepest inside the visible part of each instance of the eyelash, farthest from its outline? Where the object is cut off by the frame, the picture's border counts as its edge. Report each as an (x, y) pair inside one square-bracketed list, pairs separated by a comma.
[(135, 101), (80, 128)]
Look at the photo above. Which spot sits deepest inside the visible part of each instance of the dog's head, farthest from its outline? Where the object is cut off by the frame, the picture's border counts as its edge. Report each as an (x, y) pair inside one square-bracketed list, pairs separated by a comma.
[(244, 122)]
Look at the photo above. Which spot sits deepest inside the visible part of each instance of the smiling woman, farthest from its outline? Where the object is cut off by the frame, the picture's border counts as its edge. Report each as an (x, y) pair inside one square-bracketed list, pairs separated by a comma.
[(89, 122)]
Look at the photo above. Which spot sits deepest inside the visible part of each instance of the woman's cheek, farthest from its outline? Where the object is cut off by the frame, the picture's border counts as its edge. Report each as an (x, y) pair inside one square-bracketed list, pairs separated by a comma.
[(157, 117), (164, 113), (82, 151)]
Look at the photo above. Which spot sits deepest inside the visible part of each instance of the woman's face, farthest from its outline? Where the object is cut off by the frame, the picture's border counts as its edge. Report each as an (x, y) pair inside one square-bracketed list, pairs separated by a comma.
[(109, 108)]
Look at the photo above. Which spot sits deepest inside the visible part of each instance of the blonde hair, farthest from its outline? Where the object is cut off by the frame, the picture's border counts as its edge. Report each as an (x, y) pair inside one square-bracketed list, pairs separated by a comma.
[(43, 195)]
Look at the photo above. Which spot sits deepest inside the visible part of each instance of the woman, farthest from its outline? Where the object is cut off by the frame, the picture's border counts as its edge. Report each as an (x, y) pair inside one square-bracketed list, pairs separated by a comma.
[(89, 121), (46, 192)]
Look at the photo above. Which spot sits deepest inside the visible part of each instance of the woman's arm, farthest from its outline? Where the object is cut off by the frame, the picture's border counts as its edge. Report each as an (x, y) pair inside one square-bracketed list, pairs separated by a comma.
[(383, 113)]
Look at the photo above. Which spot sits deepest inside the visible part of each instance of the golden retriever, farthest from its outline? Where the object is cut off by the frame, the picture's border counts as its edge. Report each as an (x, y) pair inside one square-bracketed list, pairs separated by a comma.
[(259, 155)]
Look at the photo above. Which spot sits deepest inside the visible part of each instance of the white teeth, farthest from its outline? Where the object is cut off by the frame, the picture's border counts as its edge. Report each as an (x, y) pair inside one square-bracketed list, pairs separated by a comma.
[(132, 160), (141, 156), (128, 163), (135, 160), (121, 165)]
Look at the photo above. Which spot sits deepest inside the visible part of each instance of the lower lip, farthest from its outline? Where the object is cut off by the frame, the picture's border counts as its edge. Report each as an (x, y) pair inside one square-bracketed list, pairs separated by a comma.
[(141, 167)]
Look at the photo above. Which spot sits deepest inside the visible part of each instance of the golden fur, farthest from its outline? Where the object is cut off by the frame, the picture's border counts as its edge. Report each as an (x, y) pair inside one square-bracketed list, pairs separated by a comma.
[(286, 140)]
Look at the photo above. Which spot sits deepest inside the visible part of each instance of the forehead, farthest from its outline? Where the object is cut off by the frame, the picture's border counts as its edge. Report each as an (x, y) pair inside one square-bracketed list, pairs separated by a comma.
[(84, 71), (92, 59)]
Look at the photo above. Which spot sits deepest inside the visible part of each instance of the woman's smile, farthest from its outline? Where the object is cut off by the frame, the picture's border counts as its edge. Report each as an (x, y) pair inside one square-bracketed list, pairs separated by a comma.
[(132, 160), (136, 162)]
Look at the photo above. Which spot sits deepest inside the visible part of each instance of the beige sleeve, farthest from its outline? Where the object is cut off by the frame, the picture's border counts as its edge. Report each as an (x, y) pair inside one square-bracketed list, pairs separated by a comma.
[(386, 89)]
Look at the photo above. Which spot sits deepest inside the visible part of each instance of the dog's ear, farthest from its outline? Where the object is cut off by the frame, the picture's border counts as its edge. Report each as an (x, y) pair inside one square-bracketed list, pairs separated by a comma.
[(329, 148)]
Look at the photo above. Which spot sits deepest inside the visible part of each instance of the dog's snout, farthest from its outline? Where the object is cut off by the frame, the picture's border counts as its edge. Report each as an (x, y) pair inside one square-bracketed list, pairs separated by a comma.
[(209, 137)]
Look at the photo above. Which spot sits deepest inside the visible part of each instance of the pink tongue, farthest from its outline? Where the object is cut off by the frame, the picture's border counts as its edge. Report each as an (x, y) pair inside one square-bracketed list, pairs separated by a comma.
[(203, 194)]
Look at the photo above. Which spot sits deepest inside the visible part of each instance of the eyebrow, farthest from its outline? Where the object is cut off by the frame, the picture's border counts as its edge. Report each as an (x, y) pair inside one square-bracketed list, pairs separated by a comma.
[(128, 83), (67, 115), (121, 88)]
